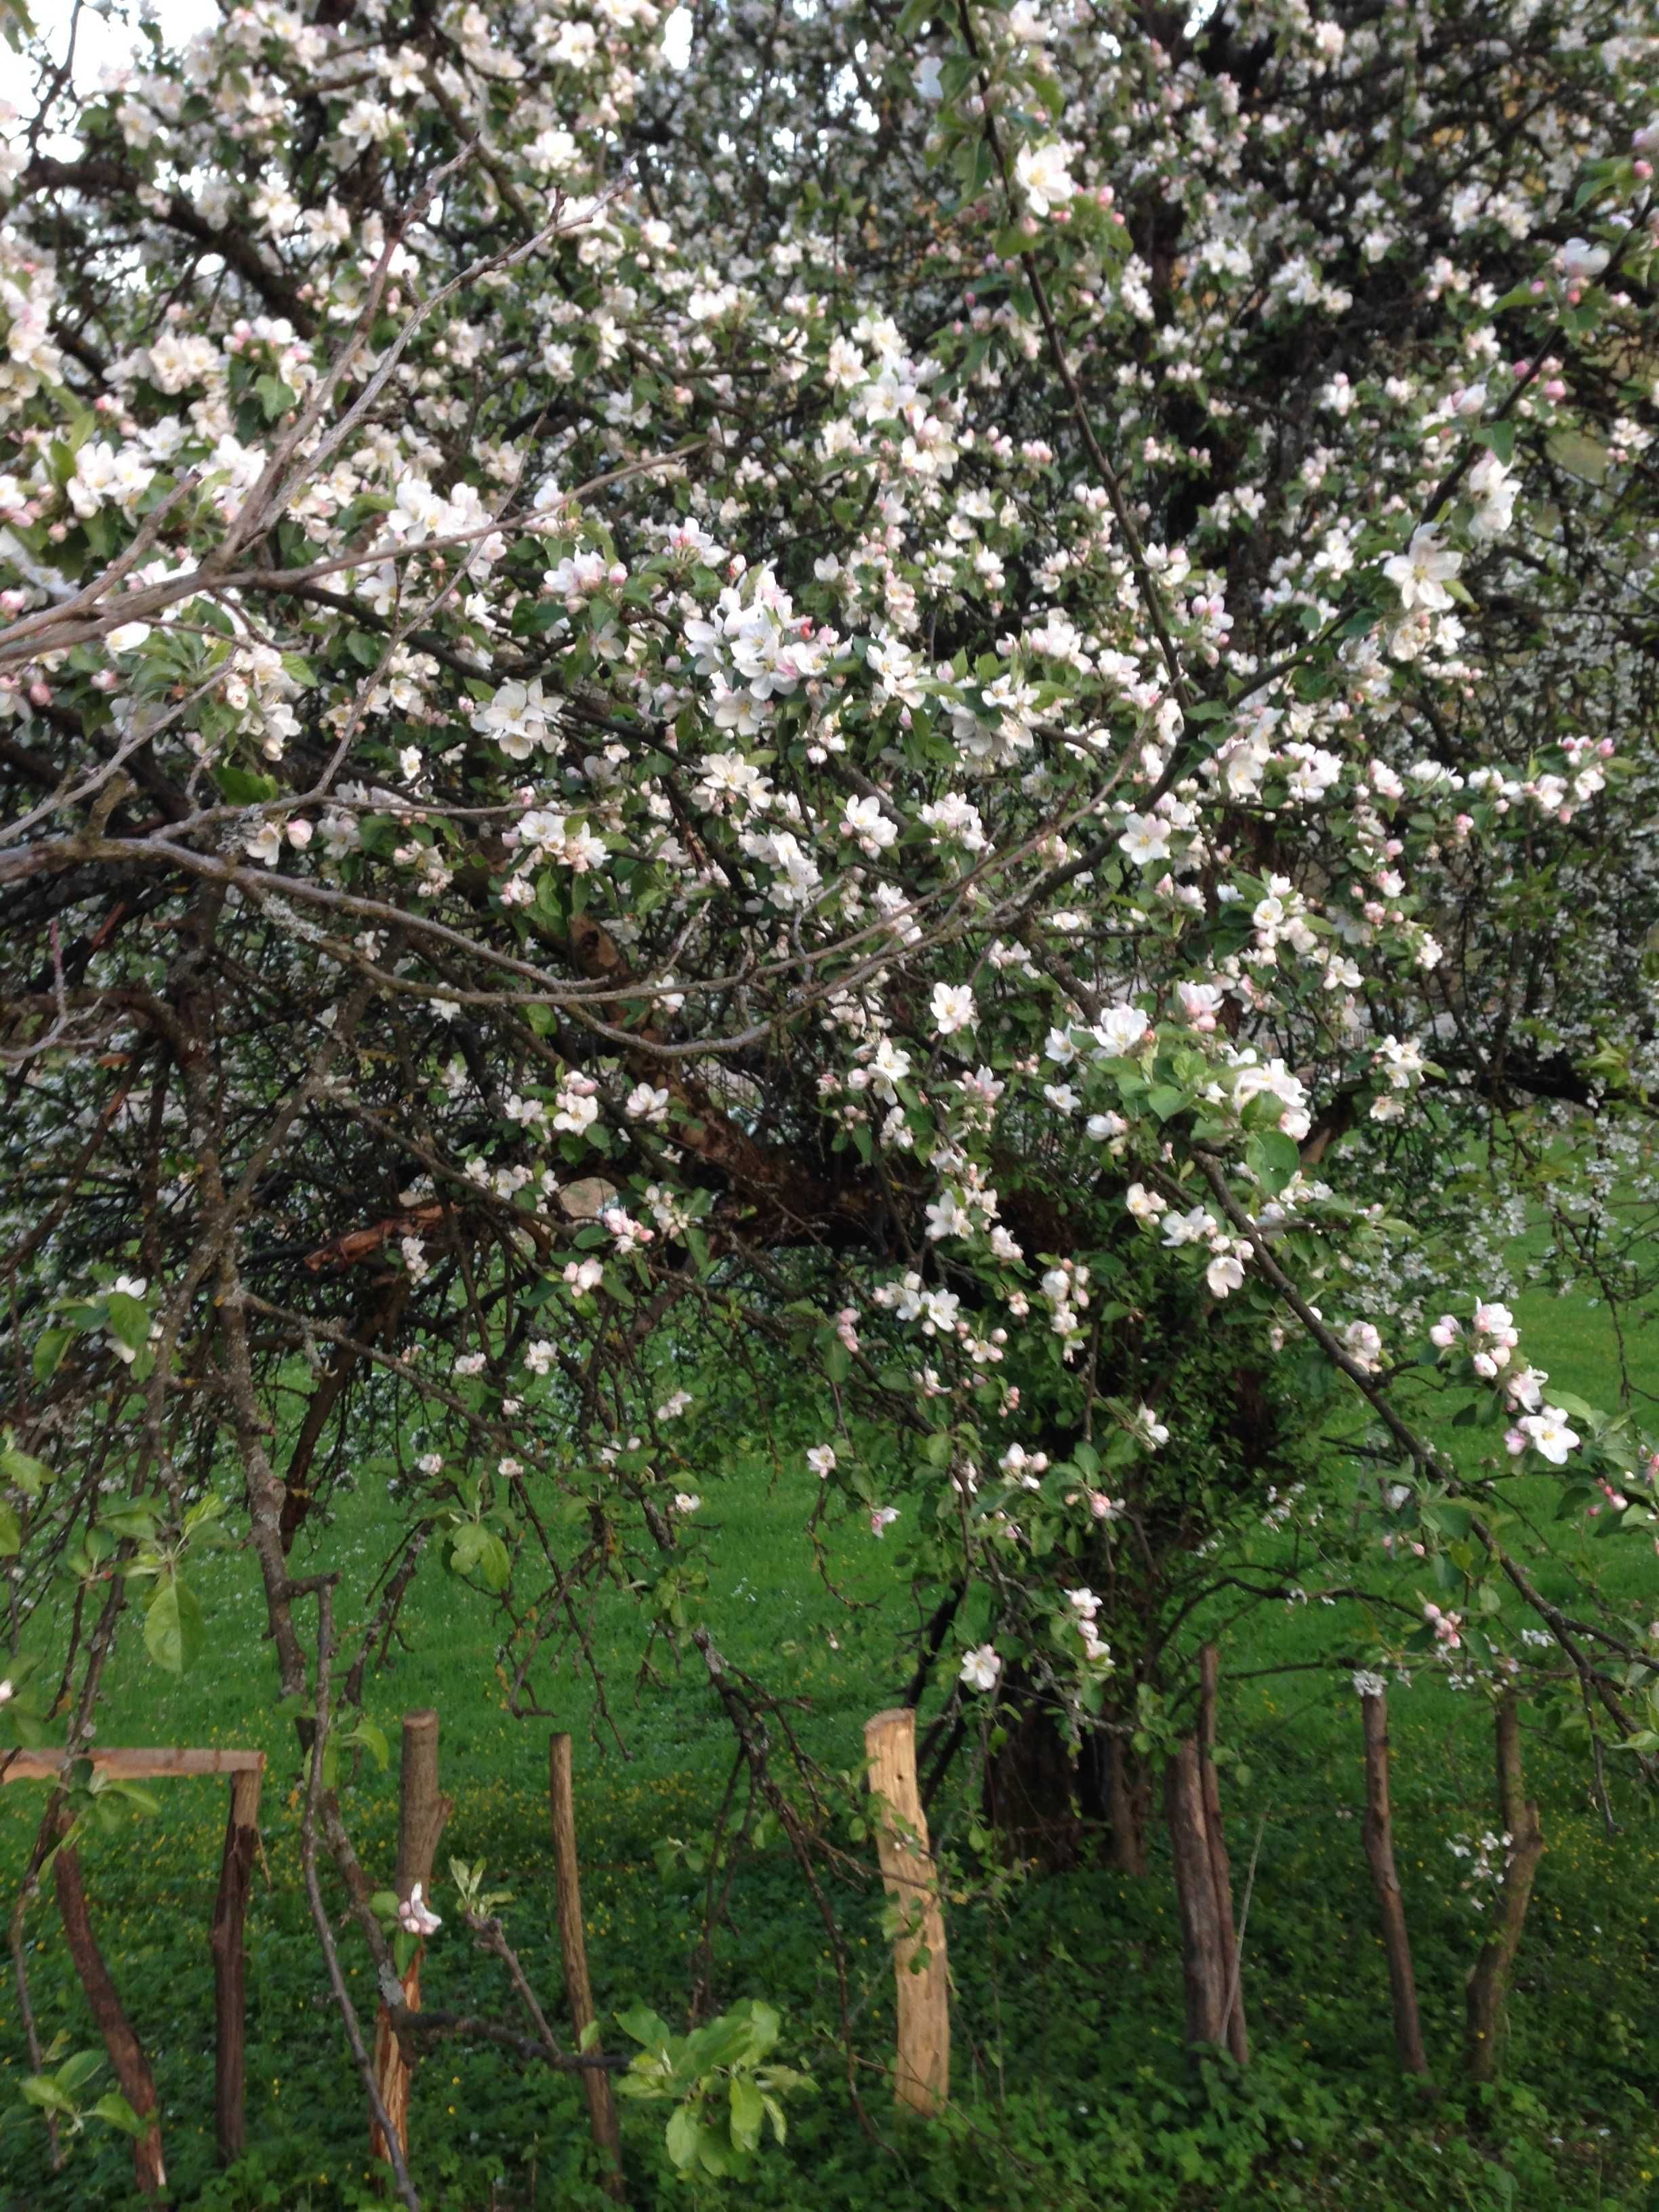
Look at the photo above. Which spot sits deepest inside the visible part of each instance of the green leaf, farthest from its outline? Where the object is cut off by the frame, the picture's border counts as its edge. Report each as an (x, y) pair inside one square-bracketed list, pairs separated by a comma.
[(174, 1630), (1497, 438), (748, 2113), (1273, 1157), (134, 1794), (274, 397), (242, 787), (79, 2069), (1571, 1405), (30, 1475), (49, 1350), (1165, 1099), (42, 2090), (643, 2025), (11, 1538), (129, 1317), (685, 2137), (373, 1738), (113, 2107), (127, 1519)]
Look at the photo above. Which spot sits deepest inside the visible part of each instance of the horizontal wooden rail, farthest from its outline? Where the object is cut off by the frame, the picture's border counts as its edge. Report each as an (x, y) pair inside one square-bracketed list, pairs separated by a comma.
[(135, 1766)]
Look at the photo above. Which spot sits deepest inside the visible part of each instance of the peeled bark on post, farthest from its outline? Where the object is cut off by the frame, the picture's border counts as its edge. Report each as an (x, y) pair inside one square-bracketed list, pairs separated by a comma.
[(126, 2051), (1489, 1983), (1238, 2040), (921, 2071), (422, 1811), (573, 1945), (1204, 1963), (1391, 1910), (230, 1962)]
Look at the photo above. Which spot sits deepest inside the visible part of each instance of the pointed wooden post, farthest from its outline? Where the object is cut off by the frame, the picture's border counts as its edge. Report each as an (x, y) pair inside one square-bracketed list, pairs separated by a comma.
[(922, 2063), (1391, 1910), (1489, 1983), (126, 2053), (230, 1961), (572, 1945), (422, 1811), (1209, 1665), (1204, 1965)]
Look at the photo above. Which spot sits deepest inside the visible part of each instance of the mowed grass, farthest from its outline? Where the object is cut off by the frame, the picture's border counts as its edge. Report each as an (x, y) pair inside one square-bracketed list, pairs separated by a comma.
[(1072, 2089)]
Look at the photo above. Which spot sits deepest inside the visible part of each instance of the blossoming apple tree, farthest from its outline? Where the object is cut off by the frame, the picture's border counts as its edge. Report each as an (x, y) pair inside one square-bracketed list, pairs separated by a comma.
[(953, 702)]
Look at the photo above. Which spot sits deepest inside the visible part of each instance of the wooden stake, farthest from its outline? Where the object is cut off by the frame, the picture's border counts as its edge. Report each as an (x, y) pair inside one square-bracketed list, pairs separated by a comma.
[(922, 2067), (422, 1811), (230, 1961), (1204, 1964), (126, 2053), (573, 1944), (1489, 1983), (1379, 1851), (1209, 1666)]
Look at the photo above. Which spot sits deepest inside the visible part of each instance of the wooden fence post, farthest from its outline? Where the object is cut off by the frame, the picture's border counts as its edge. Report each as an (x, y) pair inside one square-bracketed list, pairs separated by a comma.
[(126, 2051), (922, 2066), (148, 1763), (1379, 1851), (1209, 1665), (1489, 1983), (1204, 1965), (230, 1962), (422, 1811), (572, 1945)]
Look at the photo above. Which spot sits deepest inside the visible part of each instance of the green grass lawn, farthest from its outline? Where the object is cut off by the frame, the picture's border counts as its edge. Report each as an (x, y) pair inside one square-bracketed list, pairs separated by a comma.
[(1072, 2088)]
